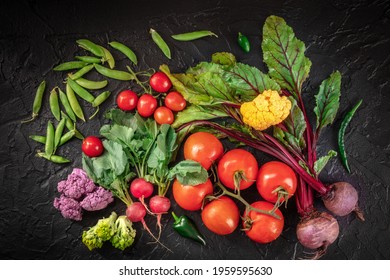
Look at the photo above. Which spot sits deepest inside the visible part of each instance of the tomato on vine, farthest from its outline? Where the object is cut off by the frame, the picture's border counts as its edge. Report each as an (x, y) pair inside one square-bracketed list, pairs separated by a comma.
[(160, 82), (127, 100), (175, 101), (163, 115), (191, 197), (146, 105)]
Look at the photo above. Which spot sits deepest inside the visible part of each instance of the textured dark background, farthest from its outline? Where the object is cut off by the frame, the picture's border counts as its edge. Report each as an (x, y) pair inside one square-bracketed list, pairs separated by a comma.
[(351, 36)]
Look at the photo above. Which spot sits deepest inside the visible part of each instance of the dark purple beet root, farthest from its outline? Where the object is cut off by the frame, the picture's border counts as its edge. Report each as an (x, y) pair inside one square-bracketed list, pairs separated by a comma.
[(317, 231), (342, 199)]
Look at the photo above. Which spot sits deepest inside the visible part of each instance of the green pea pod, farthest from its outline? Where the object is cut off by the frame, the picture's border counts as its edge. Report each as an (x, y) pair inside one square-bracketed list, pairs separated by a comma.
[(82, 92), (70, 65), (88, 84), (243, 42), (38, 138), (99, 100), (81, 72), (109, 58), (58, 133), (125, 50), (49, 144), (66, 105), (66, 137), (74, 103), (71, 126), (54, 104), (89, 59), (54, 158), (91, 47), (37, 104), (160, 43), (114, 74), (189, 36)]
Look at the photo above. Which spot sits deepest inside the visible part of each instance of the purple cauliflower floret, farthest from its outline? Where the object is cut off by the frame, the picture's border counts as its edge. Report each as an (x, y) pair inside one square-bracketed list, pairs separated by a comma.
[(69, 207), (76, 185), (97, 200)]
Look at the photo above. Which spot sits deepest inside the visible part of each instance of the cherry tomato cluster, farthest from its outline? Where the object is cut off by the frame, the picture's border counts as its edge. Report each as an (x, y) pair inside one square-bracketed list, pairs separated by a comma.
[(237, 170), (147, 104)]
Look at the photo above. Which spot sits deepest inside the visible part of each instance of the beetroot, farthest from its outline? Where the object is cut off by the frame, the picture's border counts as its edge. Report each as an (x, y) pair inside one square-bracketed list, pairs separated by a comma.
[(342, 199)]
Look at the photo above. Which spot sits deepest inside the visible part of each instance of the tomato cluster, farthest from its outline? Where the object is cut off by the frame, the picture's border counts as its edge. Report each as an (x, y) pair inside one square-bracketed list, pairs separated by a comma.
[(237, 170), (147, 104)]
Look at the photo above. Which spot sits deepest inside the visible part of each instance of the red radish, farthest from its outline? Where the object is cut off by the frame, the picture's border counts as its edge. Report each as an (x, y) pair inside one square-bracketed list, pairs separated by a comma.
[(141, 188), (136, 212), (342, 199), (158, 205), (317, 231)]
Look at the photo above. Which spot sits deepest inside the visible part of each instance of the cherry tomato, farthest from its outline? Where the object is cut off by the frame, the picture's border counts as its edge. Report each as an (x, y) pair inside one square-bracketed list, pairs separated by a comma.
[(263, 228), (221, 215), (191, 197), (239, 167), (175, 101), (127, 100), (160, 82), (92, 146), (203, 147), (163, 115), (146, 105), (273, 175)]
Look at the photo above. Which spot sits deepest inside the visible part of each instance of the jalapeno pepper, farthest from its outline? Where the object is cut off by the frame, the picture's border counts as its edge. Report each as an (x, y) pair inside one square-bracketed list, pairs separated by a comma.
[(186, 228), (243, 42)]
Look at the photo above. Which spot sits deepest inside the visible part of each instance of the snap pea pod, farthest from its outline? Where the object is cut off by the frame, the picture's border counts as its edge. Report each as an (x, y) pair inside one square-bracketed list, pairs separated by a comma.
[(108, 58), (70, 65), (89, 59), (54, 158), (99, 100), (160, 43), (243, 42), (74, 103), (66, 105), (189, 36), (54, 104), (81, 72), (114, 74), (82, 92), (91, 47), (58, 132), (125, 50), (341, 134), (66, 137), (49, 144), (38, 138), (37, 104), (88, 84), (71, 126)]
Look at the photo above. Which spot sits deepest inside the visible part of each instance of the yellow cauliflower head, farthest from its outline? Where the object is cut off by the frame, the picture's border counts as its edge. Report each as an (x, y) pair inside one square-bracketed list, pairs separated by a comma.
[(267, 109)]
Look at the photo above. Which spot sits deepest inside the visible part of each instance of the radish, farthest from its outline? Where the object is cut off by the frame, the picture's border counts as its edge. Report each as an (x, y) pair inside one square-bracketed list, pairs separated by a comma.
[(159, 205), (141, 188), (317, 231), (342, 199)]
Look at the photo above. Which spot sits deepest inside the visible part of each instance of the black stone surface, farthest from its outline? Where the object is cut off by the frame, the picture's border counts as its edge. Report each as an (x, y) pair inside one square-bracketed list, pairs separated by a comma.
[(350, 36)]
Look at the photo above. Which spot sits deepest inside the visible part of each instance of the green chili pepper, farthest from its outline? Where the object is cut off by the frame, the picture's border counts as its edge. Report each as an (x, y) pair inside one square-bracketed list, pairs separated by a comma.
[(109, 58), (125, 50), (54, 104), (88, 84), (189, 36), (89, 59), (74, 103), (37, 101), (70, 65), (54, 158), (114, 74), (71, 126), (81, 72), (341, 134), (82, 92), (58, 132), (66, 104), (243, 42), (91, 47), (49, 144), (186, 228), (160, 43), (38, 138)]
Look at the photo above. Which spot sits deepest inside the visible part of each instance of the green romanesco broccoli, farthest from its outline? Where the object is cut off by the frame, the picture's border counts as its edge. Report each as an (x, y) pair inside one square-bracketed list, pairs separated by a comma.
[(124, 234)]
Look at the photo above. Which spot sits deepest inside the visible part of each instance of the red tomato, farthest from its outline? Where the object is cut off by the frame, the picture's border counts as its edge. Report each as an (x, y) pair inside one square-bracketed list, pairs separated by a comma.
[(146, 105), (237, 164), (92, 146), (221, 215), (127, 100), (203, 147), (191, 197), (163, 115), (160, 82), (263, 228), (273, 175), (175, 101)]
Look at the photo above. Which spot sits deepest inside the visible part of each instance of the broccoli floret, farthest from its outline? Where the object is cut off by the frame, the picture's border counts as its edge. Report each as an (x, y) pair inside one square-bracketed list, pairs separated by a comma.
[(105, 227), (124, 234), (91, 239)]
